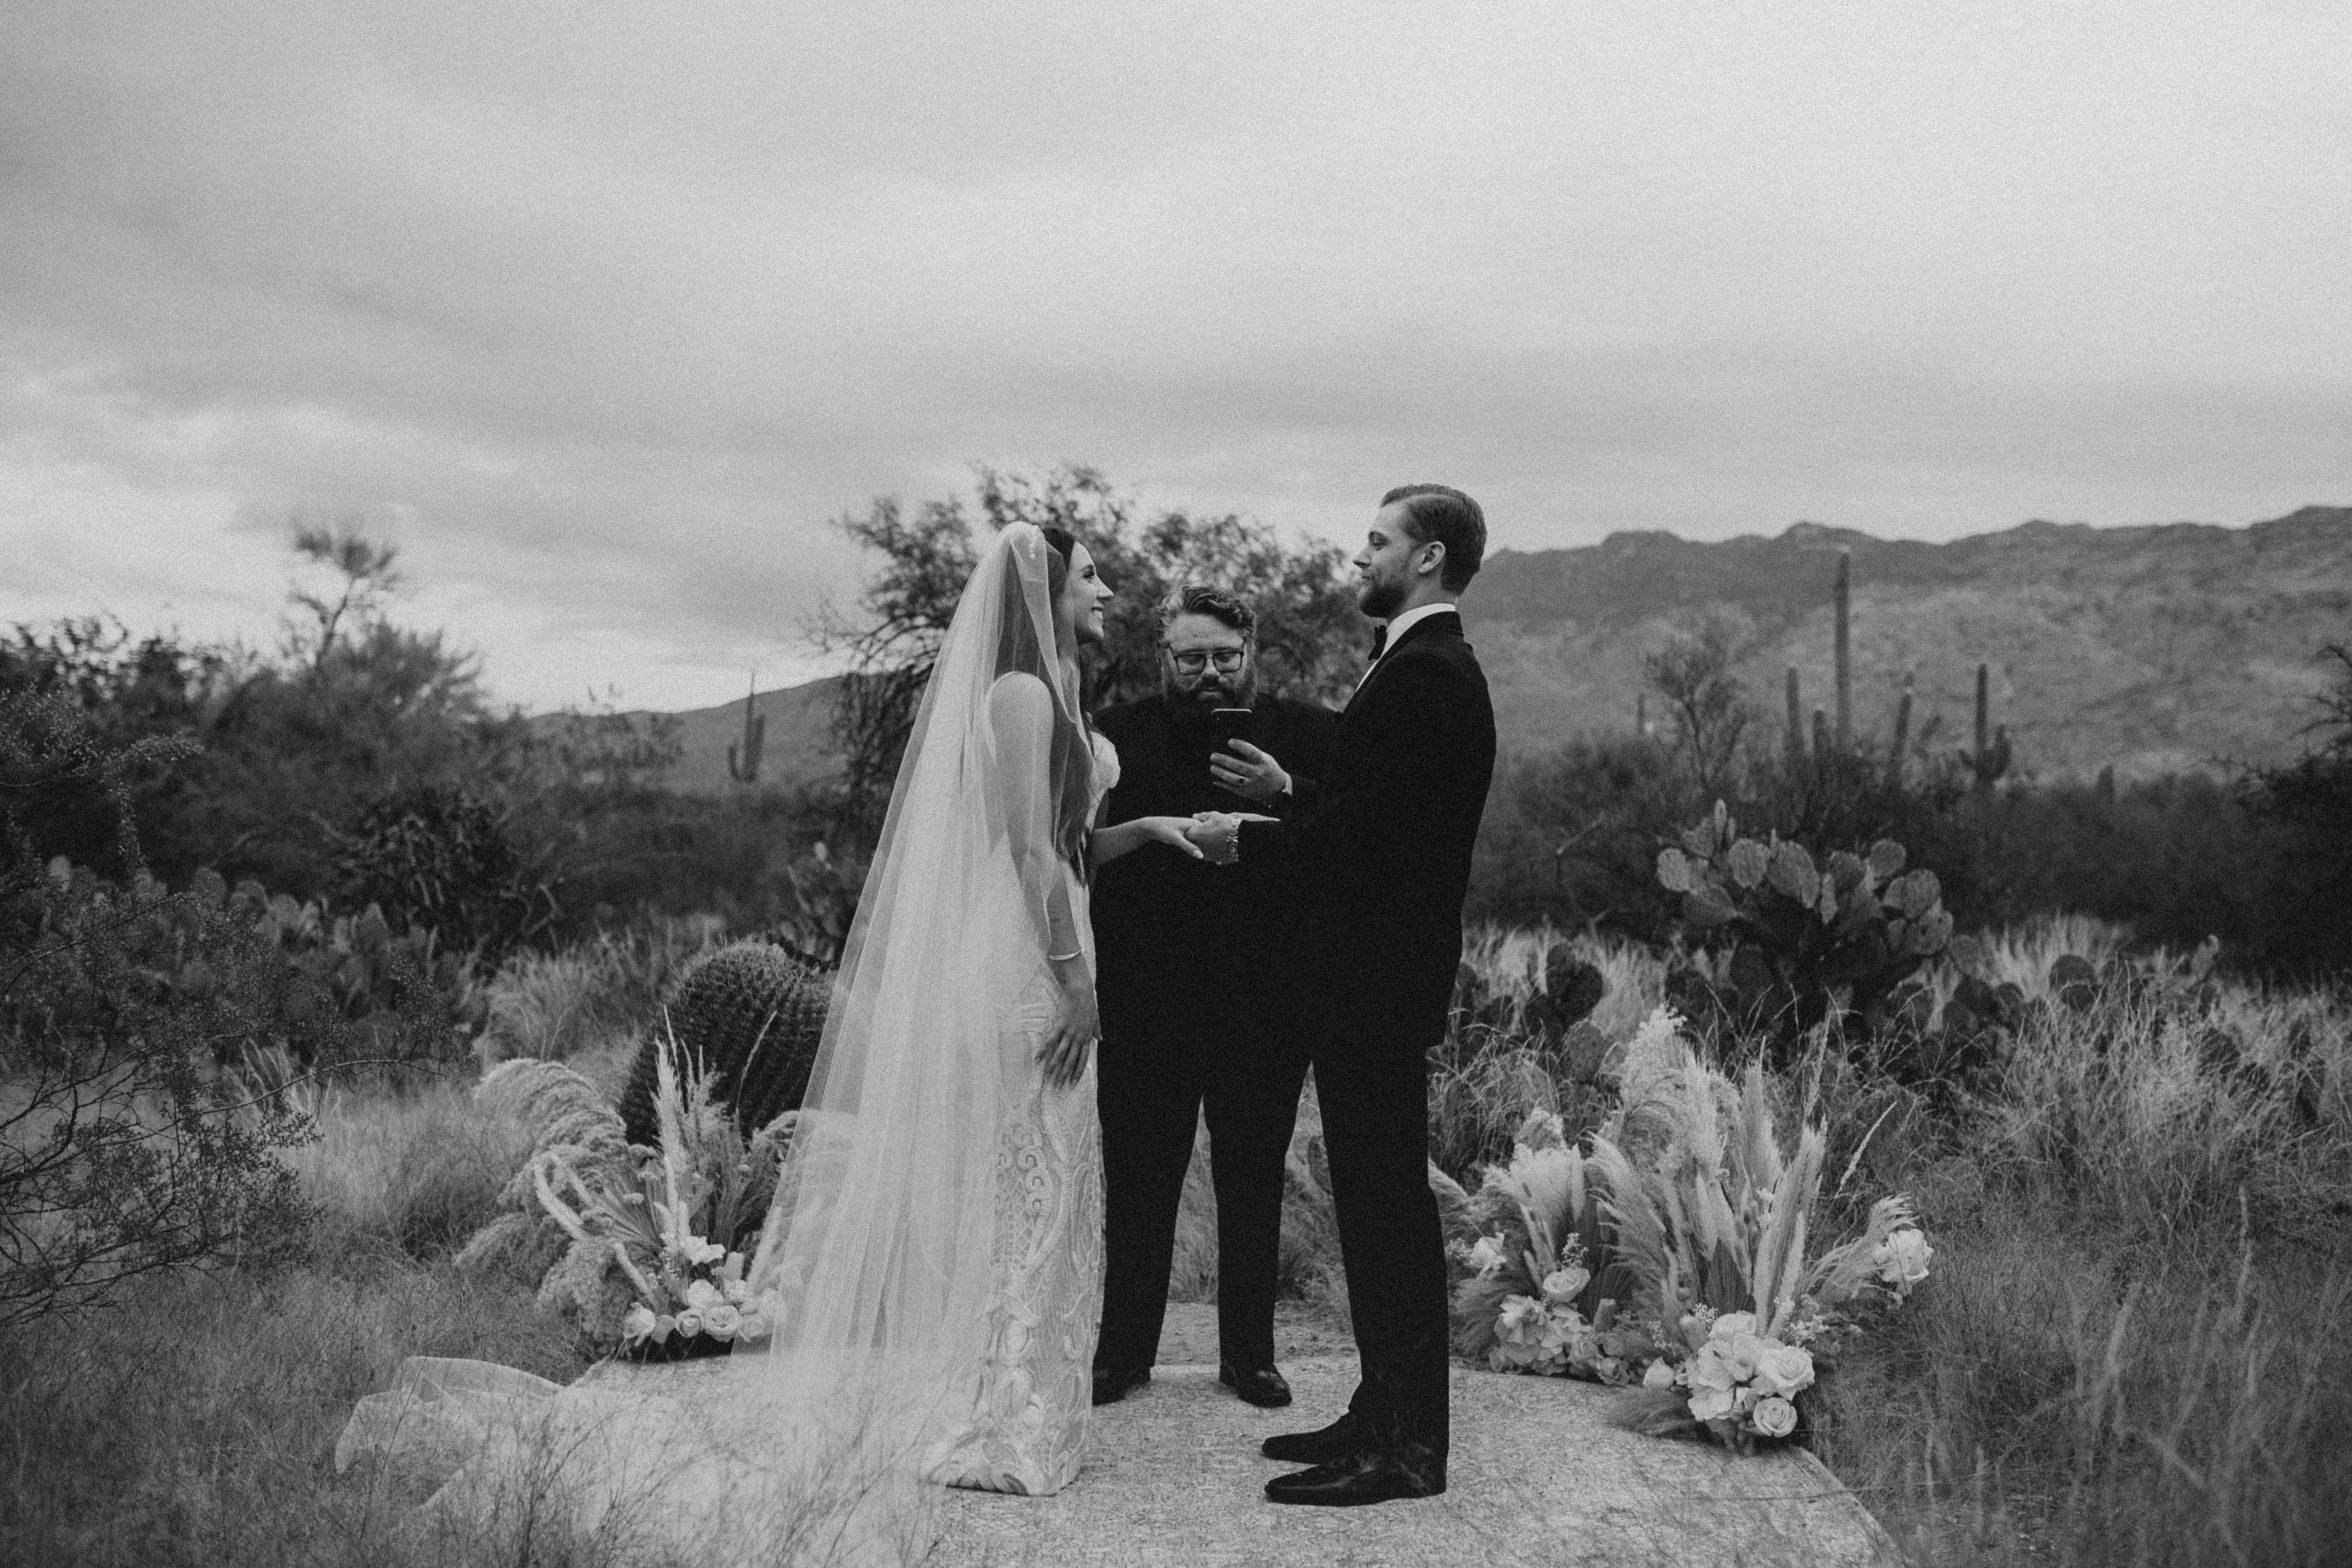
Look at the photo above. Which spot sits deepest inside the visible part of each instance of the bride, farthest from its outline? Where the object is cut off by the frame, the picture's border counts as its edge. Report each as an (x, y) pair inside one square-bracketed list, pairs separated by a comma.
[(949, 1211), (935, 1246)]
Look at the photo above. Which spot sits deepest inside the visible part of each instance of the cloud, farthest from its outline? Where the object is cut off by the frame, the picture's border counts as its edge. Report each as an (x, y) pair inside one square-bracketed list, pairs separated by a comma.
[(608, 310)]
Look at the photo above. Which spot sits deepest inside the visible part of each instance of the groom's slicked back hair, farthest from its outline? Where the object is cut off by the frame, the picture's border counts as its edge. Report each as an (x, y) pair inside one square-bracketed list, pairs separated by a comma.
[(1440, 514)]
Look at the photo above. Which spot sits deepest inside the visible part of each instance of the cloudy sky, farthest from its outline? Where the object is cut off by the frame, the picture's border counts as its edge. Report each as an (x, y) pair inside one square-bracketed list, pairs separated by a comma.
[(601, 311)]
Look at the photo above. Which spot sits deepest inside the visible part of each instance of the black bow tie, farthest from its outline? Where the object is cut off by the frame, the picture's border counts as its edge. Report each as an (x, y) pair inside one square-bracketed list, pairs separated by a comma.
[(1380, 641)]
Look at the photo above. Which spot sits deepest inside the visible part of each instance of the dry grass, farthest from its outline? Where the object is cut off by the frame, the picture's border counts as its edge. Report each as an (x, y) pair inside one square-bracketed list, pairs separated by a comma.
[(2135, 1348), (592, 999)]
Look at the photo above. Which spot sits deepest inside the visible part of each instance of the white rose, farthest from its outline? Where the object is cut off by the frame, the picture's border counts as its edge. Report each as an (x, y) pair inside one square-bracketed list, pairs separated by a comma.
[(1743, 1351), (1903, 1259), (1660, 1375), (752, 1327), (690, 1323), (1710, 1403), (664, 1326), (735, 1290), (1565, 1284), (637, 1322), (702, 1295), (1784, 1369), (720, 1321), (1774, 1416)]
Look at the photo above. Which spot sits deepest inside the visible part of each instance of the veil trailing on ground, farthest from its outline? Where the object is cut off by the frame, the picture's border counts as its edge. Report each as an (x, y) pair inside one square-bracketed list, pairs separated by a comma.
[(878, 1244)]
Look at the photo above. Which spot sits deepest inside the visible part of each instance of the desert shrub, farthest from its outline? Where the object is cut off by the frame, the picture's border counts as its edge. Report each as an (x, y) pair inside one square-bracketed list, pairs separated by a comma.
[(123, 1150), (442, 858)]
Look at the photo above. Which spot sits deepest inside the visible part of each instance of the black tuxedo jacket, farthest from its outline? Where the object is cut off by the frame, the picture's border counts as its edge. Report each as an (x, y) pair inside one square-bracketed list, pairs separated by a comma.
[(1380, 840), (1177, 940)]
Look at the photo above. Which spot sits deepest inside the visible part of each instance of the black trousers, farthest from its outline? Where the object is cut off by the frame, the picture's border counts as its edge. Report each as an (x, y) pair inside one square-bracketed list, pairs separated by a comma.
[(1154, 1082), (1374, 1094)]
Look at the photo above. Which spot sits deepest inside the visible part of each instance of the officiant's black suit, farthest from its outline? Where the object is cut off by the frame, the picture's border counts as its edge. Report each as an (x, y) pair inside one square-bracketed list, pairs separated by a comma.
[(1197, 999), (1382, 845)]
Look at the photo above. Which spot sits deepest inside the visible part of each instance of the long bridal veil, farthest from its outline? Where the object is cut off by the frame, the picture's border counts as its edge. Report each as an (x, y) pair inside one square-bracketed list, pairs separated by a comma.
[(878, 1244), (879, 1240)]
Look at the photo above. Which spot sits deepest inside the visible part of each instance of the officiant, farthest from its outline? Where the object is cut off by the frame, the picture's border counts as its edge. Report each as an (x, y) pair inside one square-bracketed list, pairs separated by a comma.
[(1196, 1005)]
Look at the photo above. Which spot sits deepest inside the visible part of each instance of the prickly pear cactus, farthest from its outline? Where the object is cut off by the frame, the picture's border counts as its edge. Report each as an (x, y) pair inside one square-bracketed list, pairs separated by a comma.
[(1801, 933), (753, 1012), (1571, 990)]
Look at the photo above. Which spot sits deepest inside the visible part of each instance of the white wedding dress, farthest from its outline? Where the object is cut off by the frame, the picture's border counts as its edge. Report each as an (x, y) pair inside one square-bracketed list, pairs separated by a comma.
[(937, 1237), (1036, 1381)]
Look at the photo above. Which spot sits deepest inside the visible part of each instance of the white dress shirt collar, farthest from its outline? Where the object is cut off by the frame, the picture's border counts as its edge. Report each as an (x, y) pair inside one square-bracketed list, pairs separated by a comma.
[(1398, 627), (1396, 630)]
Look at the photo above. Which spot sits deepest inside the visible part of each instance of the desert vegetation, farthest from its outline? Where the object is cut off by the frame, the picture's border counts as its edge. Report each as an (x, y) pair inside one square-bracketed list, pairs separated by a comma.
[(266, 918)]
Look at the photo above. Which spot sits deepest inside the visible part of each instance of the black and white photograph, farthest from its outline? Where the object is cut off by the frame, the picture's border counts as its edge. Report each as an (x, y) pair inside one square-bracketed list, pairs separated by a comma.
[(1490, 784)]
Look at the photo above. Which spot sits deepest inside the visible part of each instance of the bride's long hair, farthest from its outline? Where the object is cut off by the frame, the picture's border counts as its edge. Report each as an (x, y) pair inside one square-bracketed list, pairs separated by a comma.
[(1073, 751)]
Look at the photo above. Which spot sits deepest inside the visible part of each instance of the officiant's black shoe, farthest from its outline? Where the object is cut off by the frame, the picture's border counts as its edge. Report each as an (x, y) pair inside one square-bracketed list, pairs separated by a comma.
[(1261, 1385), (1337, 1441), (1360, 1478), (1111, 1386)]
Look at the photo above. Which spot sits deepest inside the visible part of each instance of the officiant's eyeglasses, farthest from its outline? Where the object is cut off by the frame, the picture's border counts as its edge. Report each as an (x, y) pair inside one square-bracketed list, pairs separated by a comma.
[(1192, 661)]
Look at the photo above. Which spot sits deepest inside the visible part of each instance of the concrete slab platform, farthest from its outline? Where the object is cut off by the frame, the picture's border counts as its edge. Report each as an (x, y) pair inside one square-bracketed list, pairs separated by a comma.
[(1539, 1478)]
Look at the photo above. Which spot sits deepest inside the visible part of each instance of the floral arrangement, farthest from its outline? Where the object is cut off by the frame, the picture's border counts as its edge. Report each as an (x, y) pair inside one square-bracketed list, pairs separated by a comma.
[(658, 1241), (1540, 1291), (1686, 1205)]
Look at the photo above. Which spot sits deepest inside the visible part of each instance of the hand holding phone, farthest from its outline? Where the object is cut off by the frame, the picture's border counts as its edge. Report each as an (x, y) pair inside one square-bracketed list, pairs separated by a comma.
[(1240, 767)]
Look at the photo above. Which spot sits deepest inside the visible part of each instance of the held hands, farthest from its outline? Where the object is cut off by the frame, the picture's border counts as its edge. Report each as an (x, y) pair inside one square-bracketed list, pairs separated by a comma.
[(1248, 771), (1219, 832), (1176, 832), (1070, 1038)]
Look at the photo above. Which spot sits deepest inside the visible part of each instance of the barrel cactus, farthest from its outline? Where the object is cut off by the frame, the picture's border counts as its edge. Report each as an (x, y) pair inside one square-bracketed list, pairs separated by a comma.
[(753, 1012), (1803, 934)]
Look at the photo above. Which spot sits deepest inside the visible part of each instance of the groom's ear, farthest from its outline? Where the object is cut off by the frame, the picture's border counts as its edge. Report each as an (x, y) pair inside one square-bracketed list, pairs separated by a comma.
[(1436, 561)]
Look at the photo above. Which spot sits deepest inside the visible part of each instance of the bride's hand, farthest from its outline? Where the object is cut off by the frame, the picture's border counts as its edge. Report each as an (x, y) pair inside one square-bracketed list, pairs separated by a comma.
[(1176, 832), (1071, 1035)]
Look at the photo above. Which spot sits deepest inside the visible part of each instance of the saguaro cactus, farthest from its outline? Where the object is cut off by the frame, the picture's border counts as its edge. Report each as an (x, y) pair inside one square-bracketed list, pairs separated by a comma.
[(1902, 737), (1844, 598), (1796, 718), (743, 757), (1991, 757)]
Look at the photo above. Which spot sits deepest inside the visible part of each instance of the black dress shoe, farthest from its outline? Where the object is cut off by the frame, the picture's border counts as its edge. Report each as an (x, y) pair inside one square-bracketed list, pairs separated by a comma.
[(1261, 1385), (1110, 1387), (1336, 1441), (1357, 1479)]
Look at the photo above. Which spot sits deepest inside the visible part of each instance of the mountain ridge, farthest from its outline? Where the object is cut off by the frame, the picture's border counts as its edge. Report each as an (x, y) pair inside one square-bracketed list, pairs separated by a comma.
[(2149, 649)]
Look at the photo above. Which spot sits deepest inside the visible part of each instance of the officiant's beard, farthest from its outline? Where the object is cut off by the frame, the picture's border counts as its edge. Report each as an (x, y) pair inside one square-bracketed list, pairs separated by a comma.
[(1213, 690)]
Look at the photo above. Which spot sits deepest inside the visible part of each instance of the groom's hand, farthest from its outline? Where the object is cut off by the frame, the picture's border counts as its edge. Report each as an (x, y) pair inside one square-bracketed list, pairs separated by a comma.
[(1248, 771), (1218, 836)]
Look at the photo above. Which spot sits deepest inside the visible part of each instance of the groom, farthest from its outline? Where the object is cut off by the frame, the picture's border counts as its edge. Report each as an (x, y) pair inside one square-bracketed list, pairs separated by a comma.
[(1382, 846)]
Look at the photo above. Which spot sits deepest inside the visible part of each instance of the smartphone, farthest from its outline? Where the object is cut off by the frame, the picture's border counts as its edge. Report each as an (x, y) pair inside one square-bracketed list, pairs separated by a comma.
[(1227, 726)]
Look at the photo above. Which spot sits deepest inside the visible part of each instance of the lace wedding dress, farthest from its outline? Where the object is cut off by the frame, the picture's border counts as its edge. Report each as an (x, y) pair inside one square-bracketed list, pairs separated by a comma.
[(1036, 1382)]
